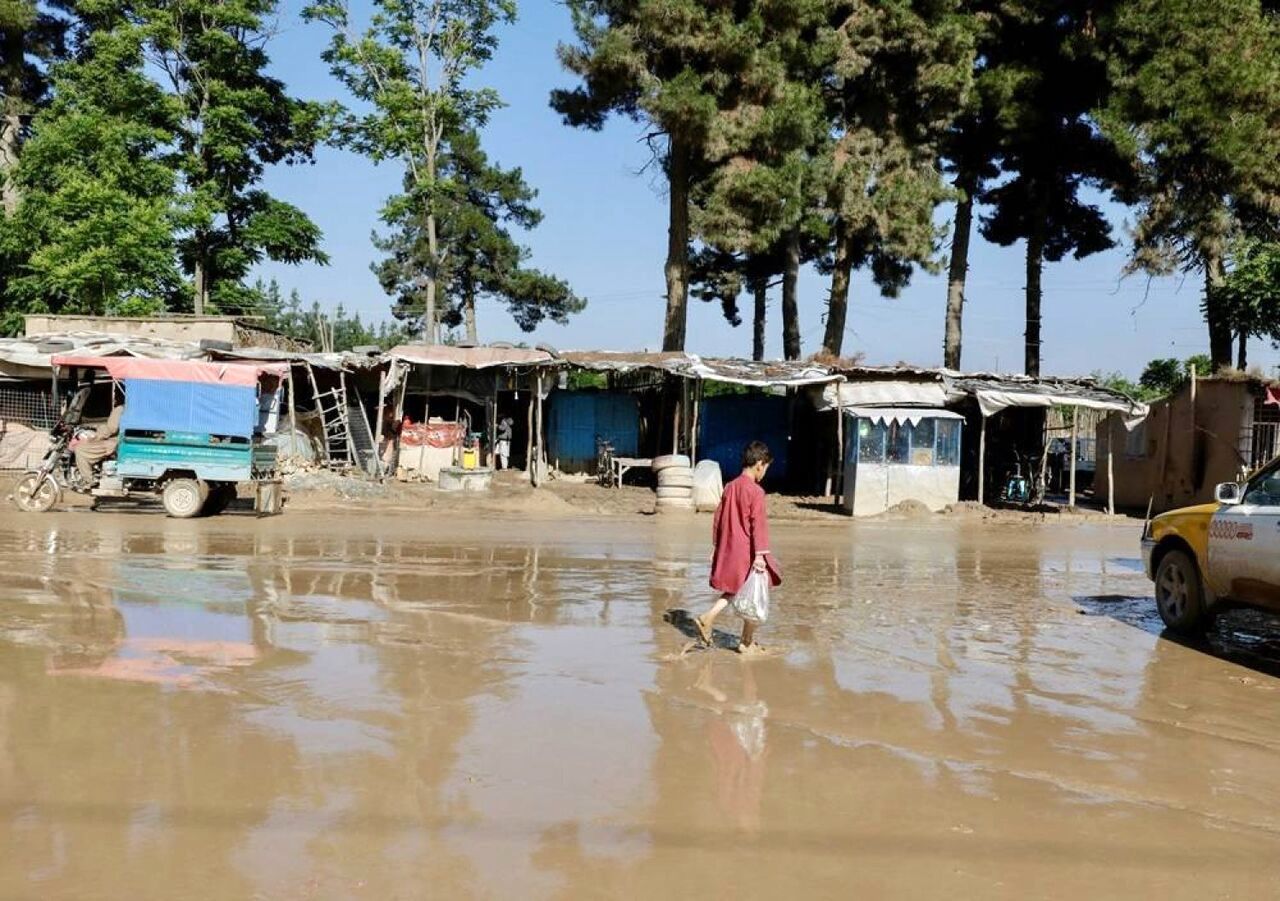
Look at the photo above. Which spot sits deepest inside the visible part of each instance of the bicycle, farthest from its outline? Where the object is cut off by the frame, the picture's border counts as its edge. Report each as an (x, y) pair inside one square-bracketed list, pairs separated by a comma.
[(604, 461)]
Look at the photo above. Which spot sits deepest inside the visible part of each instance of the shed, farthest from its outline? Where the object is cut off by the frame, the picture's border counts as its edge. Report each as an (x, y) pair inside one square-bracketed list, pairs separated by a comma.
[(901, 453)]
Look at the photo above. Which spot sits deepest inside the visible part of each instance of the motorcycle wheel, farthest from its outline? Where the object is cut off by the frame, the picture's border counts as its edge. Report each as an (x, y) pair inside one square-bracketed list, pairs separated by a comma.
[(35, 493)]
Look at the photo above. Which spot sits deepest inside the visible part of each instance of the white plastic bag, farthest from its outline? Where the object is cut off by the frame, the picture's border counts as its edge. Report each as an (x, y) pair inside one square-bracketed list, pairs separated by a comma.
[(752, 600)]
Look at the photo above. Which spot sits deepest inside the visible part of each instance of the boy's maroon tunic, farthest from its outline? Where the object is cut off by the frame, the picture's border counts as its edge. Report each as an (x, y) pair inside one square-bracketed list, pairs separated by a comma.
[(740, 532)]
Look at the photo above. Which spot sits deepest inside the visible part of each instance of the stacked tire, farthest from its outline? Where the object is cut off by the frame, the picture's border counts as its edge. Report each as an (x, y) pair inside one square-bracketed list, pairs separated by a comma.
[(675, 483)]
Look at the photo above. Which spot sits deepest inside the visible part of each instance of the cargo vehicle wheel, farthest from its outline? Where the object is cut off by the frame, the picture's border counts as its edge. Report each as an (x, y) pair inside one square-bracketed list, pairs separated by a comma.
[(1180, 594), (34, 494), (183, 498), (220, 497)]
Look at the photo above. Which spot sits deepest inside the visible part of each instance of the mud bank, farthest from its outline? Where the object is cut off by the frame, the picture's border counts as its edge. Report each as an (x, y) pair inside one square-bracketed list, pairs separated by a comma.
[(372, 703)]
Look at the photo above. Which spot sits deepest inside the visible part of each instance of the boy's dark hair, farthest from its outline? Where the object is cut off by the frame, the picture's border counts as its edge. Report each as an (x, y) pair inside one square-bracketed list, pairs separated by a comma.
[(756, 452)]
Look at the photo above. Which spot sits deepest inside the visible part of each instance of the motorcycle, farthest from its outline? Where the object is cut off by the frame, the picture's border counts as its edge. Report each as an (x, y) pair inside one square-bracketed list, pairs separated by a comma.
[(1020, 489), (42, 487)]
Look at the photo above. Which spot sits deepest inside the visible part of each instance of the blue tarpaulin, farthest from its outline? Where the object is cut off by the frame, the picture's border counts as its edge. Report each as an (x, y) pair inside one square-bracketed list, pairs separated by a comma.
[(202, 408), (575, 419), (729, 423)]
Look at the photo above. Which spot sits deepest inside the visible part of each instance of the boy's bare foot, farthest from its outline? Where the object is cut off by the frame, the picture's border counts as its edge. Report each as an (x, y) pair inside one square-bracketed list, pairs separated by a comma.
[(754, 649), (704, 630)]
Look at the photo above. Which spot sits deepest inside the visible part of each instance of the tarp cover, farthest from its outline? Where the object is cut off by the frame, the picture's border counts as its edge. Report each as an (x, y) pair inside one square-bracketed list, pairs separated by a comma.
[(1273, 396), (890, 415), (469, 357), (123, 368), (169, 406), (883, 394)]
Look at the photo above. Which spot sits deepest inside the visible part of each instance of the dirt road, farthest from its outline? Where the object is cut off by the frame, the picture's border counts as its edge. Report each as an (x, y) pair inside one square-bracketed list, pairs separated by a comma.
[(337, 704)]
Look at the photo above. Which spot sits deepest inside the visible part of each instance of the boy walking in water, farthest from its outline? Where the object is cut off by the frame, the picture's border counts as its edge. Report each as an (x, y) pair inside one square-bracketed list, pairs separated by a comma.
[(741, 538)]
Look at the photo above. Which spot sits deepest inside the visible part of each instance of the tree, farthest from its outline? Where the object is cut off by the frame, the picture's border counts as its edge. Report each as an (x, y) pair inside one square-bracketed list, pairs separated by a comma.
[(670, 65), (1052, 80), (900, 73), (32, 37), (1197, 86), (410, 71), (969, 151), (94, 231), (1163, 377), (482, 259), (232, 120), (337, 330), (1250, 294), (762, 180)]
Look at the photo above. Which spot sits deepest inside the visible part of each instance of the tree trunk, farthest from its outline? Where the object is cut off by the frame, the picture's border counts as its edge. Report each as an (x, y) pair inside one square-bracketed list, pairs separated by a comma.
[(677, 266), (1035, 265), (469, 317), (11, 85), (201, 278), (790, 303), (1242, 355), (760, 288), (959, 271), (838, 304), (1216, 317)]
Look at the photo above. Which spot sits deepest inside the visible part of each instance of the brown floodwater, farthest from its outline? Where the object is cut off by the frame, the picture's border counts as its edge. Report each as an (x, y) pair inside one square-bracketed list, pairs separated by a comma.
[(345, 705)]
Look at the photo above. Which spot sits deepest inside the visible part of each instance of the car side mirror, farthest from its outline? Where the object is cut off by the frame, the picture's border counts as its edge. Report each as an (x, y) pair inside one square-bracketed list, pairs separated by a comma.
[(1228, 493)]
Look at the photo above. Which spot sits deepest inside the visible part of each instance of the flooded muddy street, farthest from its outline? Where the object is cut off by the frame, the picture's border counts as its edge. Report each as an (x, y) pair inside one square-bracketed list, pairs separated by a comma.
[(339, 705)]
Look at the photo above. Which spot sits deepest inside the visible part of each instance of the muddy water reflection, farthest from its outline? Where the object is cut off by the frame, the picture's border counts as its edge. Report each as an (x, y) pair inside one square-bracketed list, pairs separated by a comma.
[(312, 707)]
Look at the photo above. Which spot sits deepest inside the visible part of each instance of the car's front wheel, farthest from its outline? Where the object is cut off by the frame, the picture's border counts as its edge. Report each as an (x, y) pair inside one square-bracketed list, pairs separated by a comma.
[(1180, 593)]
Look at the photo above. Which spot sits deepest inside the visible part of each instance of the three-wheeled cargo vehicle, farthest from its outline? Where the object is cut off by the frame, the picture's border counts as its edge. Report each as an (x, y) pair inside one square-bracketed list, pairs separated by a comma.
[(187, 432)]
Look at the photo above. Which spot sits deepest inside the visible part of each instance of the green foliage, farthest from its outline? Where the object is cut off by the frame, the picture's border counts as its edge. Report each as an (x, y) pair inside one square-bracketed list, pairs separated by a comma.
[(1196, 89), (450, 241), (149, 160), (290, 317), (481, 258), (1250, 294), (95, 228), (1163, 377), (231, 121)]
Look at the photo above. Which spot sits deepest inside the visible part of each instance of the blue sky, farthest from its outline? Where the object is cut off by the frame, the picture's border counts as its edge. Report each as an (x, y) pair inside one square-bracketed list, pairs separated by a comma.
[(605, 232)]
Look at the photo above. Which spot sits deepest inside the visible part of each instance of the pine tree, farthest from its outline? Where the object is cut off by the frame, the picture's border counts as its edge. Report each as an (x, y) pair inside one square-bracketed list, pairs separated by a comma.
[(900, 74), (449, 242), (1196, 89), (669, 65), (1052, 76), (475, 211)]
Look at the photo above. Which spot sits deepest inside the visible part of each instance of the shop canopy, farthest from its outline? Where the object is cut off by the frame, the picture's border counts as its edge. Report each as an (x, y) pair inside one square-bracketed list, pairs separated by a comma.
[(142, 368), (900, 415), (996, 393)]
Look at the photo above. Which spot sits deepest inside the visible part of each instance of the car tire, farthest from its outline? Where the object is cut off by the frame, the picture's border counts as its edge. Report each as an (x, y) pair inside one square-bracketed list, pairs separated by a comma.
[(671, 460), (1180, 594)]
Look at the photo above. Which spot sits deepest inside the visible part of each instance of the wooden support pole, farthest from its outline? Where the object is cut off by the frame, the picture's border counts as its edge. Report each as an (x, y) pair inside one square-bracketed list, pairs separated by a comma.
[(528, 447), (541, 451), (838, 487), (1075, 433), (693, 438), (382, 414), (675, 422), (982, 461), (293, 417), (1111, 469)]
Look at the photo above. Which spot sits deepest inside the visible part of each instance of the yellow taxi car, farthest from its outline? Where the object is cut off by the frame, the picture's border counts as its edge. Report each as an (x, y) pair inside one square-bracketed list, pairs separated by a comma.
[(1203, 559)]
